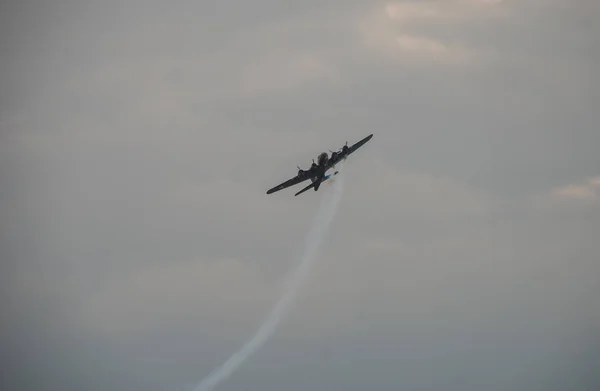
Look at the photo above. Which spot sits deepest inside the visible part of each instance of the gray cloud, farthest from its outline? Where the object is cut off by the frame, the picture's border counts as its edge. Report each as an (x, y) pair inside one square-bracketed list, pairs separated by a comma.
[(139, 249)]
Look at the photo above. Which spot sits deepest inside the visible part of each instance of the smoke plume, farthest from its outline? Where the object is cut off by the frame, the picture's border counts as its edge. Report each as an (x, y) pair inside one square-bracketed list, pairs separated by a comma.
[(314, 239)]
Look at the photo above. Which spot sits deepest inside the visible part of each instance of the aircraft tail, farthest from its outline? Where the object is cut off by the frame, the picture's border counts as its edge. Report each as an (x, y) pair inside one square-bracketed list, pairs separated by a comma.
[(316, 184)]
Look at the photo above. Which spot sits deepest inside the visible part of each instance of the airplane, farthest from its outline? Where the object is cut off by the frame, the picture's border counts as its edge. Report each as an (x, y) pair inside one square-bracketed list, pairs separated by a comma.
[(317, 171)]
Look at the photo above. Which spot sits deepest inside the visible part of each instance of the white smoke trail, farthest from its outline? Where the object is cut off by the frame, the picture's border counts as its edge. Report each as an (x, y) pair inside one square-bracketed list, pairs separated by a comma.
[(315, 237)]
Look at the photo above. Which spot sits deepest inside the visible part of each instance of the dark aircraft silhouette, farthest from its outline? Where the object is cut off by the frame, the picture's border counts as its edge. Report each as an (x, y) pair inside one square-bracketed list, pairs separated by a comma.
[(317, 171)]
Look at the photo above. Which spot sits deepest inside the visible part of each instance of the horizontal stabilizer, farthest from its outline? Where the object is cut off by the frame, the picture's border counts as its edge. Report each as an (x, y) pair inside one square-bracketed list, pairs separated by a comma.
[(314, 183)]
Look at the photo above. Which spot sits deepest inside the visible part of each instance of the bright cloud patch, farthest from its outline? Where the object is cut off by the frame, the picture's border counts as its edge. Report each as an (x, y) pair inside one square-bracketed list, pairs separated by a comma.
[(415, 29), (588, 190), (580, 194)]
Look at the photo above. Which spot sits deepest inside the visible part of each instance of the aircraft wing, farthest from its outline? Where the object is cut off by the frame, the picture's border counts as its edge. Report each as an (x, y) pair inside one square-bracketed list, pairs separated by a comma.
[(350, 150), (290, 182), (358, 144)]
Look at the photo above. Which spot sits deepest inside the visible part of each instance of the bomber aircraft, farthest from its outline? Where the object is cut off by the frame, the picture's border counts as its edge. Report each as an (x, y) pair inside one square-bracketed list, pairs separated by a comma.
[(317, 172)]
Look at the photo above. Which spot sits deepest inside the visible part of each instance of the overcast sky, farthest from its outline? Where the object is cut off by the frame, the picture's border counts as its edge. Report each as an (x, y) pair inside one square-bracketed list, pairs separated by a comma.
[(139, 249)]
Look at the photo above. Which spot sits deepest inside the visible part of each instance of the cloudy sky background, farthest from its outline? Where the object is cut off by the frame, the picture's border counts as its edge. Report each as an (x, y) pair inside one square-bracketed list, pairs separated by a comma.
[(139, 249)]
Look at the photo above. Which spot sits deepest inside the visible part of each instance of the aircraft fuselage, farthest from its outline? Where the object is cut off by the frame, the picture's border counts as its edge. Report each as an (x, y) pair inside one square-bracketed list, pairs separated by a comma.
[(322, 159), (320, 170)]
